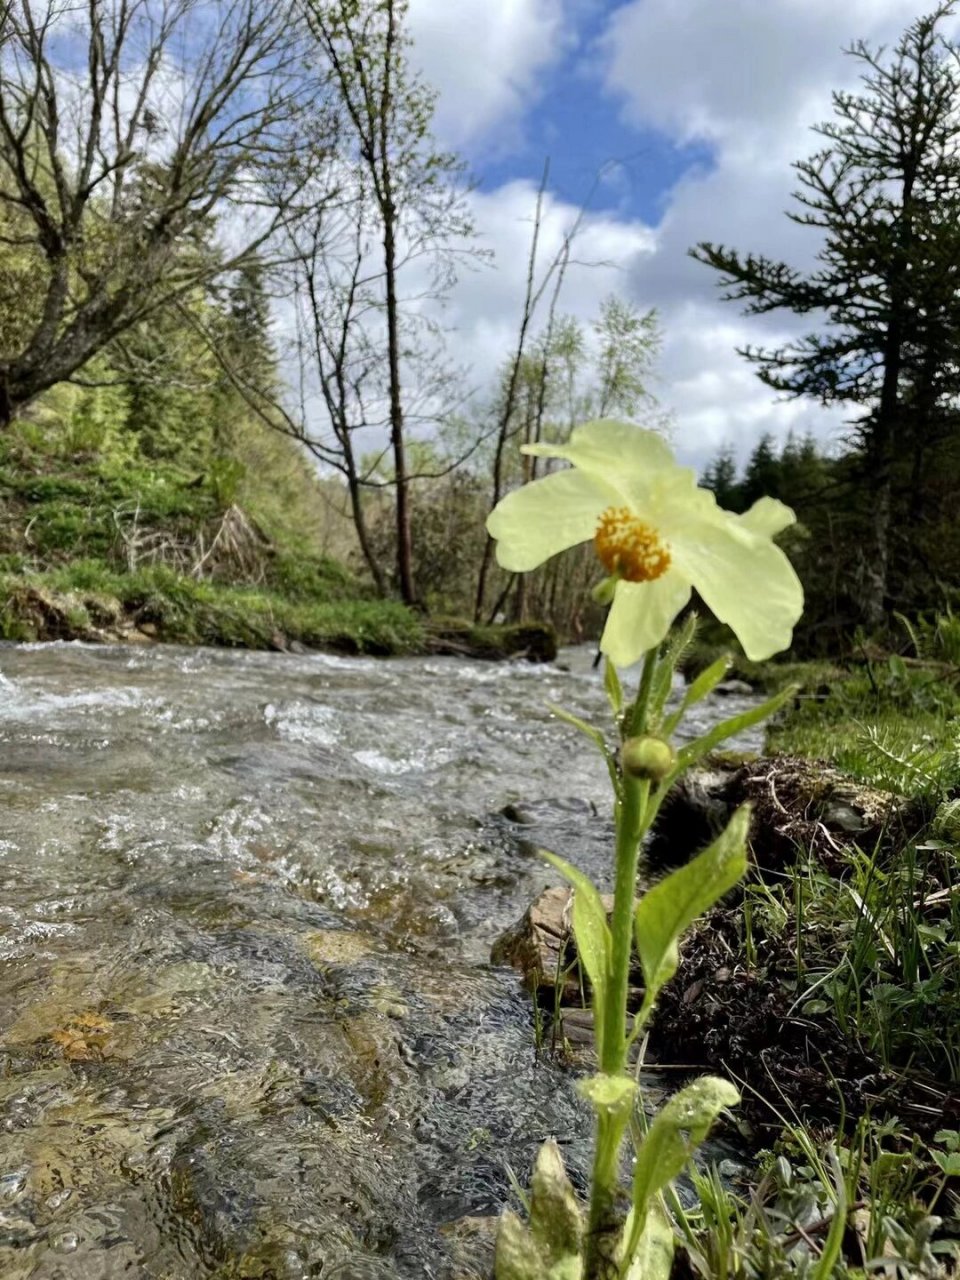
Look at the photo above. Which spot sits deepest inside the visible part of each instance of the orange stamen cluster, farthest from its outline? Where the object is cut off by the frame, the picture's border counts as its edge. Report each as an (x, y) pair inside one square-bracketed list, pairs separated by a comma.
[(629, 548)]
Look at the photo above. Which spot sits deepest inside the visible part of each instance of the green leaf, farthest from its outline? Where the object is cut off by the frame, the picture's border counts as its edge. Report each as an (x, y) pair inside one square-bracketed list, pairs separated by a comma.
[(677, 1130), (592, 934), (813, 1007), (698, 689), (611, 682), (556, 1221), (653, 1253), (695, 751), (670, 907), (949, 1162)]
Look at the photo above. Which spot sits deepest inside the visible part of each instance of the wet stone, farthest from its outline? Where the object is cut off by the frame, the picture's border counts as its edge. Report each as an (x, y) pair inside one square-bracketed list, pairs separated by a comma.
[(337, 946), (537, 943), (733, 688)]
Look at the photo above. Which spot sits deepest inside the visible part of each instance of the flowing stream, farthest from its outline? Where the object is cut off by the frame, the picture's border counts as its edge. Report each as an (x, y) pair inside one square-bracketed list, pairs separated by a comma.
[(248, 1024)]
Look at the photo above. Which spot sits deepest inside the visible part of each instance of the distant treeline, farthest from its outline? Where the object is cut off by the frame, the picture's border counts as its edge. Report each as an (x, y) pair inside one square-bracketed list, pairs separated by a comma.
[(832, 544)]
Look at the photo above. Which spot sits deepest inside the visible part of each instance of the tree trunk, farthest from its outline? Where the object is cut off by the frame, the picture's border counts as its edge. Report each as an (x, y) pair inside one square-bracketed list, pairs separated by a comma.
[(389, 214), (363, 535), (530, 299), (404, 539)]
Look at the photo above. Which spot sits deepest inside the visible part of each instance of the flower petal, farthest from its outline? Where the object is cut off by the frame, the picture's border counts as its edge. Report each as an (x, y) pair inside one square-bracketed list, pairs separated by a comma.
[(744, 579), (533, 523), (641, 615), (769, 517), (621, 454)]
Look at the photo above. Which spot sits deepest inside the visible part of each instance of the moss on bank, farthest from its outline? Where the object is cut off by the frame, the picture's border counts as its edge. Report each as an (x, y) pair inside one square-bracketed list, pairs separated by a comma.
[(534, 641), (93, 550), (157, 604)]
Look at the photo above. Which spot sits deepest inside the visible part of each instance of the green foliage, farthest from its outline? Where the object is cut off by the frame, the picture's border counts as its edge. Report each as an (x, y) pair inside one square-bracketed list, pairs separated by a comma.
[(892, 725), (678, 1128), (549, 1248), (183, 610), (666, 911), (99, 504), (312, 577), (935, 636), (594, 943), (878, 952), (875, 1189)]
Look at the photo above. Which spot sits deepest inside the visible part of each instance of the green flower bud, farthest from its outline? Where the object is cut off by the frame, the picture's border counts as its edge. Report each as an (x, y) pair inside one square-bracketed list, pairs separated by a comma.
[(650, 758)]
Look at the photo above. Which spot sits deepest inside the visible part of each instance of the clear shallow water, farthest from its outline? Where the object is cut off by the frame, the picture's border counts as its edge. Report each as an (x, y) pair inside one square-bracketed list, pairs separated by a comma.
[(247, 1023)]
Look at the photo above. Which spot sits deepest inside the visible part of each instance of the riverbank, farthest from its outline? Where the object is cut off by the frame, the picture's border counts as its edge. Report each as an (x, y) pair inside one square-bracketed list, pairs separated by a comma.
[(104, 548), (94, 605)]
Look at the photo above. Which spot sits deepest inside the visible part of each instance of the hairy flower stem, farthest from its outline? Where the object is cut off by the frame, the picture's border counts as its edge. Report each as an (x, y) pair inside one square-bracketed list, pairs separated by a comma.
[(605, 1219), (605, 1215), (630, 824)]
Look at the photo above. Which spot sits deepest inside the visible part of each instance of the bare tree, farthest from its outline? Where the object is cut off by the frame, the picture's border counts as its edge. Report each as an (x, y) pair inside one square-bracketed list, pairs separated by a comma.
[(129, 129), (337, 310), (507, 427), (411, 190)]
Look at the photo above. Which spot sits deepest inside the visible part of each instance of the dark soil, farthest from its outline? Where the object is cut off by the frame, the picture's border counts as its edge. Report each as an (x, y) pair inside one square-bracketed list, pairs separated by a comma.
[(722, 1016), (743, 1019)]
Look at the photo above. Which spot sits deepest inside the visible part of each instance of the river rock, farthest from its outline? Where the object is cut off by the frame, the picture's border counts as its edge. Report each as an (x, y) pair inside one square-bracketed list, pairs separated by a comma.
[(541, 946), (537, 942)]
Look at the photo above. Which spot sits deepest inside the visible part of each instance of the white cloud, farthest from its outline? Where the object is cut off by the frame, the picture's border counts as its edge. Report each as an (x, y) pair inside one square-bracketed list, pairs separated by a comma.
[(750, 77), (743, 69), (483, 314), (485, 57)]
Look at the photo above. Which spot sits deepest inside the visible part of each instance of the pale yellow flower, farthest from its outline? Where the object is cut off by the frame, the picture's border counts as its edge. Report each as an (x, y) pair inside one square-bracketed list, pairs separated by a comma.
[(659, 535)]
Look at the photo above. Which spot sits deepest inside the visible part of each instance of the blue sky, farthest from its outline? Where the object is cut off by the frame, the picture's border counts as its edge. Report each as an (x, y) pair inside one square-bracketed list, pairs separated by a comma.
[(694, 111), (577, 124), (594, 157)]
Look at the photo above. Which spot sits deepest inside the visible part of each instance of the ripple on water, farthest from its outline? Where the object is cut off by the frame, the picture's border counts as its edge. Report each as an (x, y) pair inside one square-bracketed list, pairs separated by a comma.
[(247, 1025)]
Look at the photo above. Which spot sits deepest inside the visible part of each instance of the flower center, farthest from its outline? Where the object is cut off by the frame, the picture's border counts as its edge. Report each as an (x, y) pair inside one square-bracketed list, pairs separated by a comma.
[(629, 548)]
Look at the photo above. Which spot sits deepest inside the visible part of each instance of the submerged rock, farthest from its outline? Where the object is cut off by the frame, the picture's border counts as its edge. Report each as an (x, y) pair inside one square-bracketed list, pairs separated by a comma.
[(731, 688)]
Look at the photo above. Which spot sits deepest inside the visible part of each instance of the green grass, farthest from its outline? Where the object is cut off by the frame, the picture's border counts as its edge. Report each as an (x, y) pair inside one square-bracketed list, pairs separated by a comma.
[(876, 940), (892, 726), (873, 943), (73, 524), (871, 940)]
